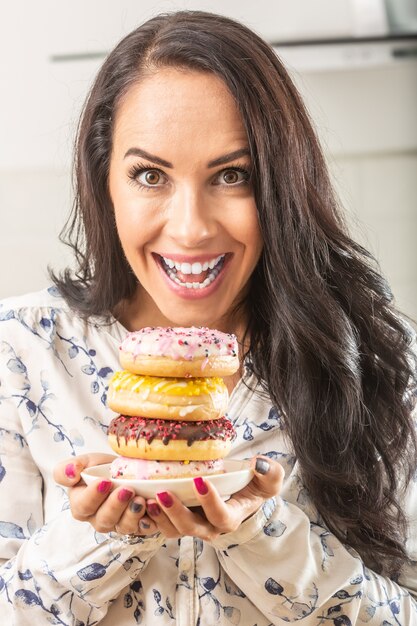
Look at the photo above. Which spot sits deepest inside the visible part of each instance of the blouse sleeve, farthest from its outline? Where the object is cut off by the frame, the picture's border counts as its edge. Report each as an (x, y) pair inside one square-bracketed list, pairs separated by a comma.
[(65, 568), (61, 571), (292, 569)]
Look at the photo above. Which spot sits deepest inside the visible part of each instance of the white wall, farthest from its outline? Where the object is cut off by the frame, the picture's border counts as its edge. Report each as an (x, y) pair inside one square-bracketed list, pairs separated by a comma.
[(366, 119), (367, 122), (379, 192)]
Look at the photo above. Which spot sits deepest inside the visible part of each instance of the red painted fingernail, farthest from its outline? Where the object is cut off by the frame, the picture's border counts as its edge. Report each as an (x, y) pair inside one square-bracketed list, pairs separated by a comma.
[(104, 486), (70, 470), (153, 509), (200, 486), (124, 495), (165, 499)]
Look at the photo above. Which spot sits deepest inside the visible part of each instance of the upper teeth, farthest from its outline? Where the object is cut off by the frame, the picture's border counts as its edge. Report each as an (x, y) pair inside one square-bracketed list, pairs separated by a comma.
[(193, 268)]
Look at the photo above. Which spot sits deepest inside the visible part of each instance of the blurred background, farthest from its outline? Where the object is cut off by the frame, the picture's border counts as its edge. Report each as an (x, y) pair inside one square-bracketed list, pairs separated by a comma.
[(354, 61)]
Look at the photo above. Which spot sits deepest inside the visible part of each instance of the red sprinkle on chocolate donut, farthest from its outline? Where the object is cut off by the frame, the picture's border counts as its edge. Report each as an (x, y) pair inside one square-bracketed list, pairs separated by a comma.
[(166, 430)]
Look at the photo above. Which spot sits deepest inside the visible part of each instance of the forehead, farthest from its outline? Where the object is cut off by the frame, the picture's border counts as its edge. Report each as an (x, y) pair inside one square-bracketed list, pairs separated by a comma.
[(173, 106)]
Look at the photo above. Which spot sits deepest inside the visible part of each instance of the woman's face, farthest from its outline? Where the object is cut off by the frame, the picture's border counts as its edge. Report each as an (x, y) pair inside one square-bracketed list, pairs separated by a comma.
[(184, 206)]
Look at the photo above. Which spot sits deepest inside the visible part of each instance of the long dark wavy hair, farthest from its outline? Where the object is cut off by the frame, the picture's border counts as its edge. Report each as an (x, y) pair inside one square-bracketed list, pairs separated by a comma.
[(325, 340)]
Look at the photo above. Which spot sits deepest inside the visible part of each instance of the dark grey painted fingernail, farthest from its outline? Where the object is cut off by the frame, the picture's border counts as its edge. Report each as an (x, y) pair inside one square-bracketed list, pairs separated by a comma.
[(144, 524), (262, 466), (135, 507)]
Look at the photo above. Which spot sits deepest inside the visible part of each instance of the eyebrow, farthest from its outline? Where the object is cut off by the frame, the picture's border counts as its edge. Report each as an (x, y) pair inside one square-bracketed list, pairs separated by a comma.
[(225, 158), (147, 155), (231, 156)]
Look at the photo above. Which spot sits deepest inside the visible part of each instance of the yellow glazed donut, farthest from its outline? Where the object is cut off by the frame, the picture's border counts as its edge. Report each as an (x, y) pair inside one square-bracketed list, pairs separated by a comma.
[(168, 398), (160, 440), (180, 352)]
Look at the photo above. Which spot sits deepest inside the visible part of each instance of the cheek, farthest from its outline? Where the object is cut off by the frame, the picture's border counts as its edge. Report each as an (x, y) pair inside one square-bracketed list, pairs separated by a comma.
[(252, 238), (246, 229), (125, 221), (131, 227), (124, 198), (136, 219)]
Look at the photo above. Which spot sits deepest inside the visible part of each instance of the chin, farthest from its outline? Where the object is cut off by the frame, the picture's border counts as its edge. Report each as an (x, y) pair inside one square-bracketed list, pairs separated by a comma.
[(191, 320), (190, 316)]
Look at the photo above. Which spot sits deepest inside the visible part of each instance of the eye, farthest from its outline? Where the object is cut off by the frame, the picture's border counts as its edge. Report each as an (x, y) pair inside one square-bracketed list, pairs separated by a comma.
[(151, 177), (233, 176), (146, 177)]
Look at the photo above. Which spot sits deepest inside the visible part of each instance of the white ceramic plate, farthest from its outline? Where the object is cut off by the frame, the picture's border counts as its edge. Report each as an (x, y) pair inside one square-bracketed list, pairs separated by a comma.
[(237, 475)]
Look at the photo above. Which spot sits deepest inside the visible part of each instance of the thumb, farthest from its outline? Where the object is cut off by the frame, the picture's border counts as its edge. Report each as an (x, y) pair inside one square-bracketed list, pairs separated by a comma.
[(268, 477), (67, 473)]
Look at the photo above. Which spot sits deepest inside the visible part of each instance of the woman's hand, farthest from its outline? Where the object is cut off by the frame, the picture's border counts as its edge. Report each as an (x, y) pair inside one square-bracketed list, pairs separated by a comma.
[(117, 511), (173, 519)]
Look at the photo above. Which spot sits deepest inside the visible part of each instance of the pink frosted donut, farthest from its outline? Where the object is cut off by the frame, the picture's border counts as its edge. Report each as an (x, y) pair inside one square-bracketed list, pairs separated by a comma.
[(142, 469), (180, 352)]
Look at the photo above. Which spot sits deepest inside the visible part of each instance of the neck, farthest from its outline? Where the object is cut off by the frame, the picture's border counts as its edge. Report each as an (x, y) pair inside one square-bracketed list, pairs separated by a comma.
[(134, 315), (232, 381), (139, 312)]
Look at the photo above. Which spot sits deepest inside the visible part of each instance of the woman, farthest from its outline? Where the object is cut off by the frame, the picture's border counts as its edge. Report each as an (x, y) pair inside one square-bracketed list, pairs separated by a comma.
[(194, 147)]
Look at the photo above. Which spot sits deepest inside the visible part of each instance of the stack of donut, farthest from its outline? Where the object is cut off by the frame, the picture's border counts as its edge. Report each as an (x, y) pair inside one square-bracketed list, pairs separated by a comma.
[(172, 402)]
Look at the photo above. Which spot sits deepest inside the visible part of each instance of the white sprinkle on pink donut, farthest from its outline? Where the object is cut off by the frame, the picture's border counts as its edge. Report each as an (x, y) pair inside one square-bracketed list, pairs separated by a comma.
[(143, 469), (180, 343)]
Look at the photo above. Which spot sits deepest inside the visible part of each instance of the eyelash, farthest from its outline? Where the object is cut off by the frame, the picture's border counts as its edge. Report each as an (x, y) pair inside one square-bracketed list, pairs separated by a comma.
[(140, 168)]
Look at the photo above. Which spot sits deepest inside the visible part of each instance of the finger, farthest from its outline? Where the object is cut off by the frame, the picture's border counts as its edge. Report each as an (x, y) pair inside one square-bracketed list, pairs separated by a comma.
[(266, 483), (86, 500), (268, 477), (178, 517), (147, 526), (128, 522), (109, 514), (158, 515), (219, 514), (67, 473)]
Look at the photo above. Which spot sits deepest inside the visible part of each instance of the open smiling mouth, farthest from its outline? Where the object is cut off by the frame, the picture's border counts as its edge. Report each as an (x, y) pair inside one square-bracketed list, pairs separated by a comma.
[(192, 275)]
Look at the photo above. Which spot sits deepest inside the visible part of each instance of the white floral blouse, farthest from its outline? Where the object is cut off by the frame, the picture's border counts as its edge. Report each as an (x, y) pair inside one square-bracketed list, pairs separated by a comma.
[(281, 566)]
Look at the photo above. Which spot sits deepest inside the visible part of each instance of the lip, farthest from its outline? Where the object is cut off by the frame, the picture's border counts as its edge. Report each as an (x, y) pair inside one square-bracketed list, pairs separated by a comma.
[(182, 258), (184, 292)]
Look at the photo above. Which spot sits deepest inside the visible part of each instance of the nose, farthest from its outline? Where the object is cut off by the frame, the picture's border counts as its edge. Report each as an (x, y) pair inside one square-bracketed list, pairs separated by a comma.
[(190, 217)]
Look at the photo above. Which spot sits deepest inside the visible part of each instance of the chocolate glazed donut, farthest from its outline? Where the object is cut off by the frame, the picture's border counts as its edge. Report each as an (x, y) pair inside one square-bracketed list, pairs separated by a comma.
[(157, 439)]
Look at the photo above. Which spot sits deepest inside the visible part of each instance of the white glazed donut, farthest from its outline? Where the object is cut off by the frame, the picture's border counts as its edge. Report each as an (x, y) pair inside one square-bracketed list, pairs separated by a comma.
[(180, 352), (168, 398)]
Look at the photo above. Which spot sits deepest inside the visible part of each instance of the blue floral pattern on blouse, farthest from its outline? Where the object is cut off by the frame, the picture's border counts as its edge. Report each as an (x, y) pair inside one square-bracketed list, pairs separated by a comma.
[(282, 566)]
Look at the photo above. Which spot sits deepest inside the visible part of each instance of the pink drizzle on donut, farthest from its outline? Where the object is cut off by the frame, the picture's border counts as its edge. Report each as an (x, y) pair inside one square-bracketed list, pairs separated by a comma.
[(180, 343), (144, 469)]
